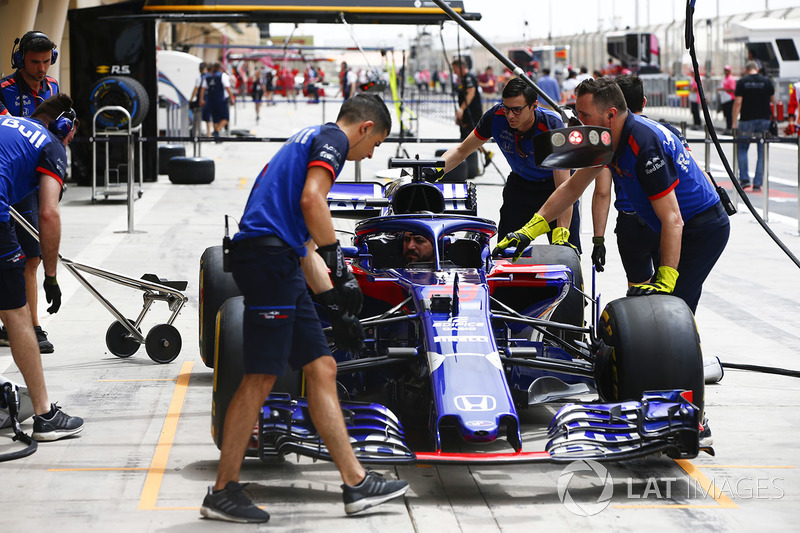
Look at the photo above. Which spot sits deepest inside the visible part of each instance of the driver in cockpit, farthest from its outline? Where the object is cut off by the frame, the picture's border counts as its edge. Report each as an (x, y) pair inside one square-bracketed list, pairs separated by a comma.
[(416, 248)]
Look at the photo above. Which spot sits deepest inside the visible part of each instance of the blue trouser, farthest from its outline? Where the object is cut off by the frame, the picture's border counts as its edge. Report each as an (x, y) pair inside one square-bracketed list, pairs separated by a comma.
[(704, 238), (751, 129)]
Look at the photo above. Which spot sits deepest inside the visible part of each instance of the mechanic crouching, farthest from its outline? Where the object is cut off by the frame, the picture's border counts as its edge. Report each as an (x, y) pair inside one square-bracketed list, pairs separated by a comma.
[(273, 262), (32, 154)]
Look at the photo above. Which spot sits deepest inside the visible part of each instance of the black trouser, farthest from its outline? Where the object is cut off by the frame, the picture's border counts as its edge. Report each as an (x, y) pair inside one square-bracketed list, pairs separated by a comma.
[(523, 198)]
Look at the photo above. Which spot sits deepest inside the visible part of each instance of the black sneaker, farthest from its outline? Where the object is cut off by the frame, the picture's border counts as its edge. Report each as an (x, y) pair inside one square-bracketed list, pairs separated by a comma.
[(706, 439), (55, 425), (373, 490), (232, 505), (45, 346), (4, 337)]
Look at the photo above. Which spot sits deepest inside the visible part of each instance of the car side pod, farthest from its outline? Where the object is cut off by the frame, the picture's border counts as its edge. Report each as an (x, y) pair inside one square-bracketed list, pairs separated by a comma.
[(661, 422), (573, 147)]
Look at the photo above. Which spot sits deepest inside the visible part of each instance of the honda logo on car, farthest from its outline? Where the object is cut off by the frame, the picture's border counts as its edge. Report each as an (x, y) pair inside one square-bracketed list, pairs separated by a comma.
[(475, 403)]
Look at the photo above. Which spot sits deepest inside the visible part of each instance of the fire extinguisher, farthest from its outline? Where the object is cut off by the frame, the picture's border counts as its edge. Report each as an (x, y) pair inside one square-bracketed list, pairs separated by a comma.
[(780, 111)]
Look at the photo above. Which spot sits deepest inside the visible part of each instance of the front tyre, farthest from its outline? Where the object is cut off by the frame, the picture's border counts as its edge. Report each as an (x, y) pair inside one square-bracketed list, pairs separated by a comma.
[(652, 344)]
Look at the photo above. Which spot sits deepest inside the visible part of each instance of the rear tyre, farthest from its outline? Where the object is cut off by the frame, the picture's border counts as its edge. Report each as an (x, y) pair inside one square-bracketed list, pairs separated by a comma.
[(216, 286), (191, 170), (228, 368), (654, 345)]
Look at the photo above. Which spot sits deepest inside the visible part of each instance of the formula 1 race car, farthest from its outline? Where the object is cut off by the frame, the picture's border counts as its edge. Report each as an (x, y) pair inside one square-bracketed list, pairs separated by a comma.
[(467, 356)]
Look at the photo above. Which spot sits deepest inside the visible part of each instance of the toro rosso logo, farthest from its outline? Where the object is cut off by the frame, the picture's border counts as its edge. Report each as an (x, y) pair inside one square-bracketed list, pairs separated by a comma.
[(272, 315), (475, 403)]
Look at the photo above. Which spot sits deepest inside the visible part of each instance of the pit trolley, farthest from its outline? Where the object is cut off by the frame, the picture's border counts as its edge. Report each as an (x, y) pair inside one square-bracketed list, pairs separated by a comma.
[(124, 336)]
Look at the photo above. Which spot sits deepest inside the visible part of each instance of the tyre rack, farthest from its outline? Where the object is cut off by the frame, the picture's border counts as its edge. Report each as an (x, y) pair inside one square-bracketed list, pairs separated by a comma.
[(110, 188), (124, 336)]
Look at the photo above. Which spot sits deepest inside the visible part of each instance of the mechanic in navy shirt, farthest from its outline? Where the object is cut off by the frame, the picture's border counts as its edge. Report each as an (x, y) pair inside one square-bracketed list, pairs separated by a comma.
[(273, 262), (665, 187), (513, 124), (638, 245), (32, 155), (20, 94)]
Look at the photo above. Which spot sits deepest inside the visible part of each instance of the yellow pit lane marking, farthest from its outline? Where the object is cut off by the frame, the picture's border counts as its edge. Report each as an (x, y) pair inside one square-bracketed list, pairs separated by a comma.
[(722, 500), (143, 379), (152, 484)]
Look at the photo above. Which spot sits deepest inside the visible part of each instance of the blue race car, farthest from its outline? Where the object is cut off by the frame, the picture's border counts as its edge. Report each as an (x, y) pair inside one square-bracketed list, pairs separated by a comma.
[(468, 355)]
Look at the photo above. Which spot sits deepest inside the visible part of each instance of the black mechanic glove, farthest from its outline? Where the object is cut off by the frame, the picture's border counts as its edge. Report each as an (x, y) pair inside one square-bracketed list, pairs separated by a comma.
[(53, 293), (599, 253), (348, 292), (431, 174), (348, 334)]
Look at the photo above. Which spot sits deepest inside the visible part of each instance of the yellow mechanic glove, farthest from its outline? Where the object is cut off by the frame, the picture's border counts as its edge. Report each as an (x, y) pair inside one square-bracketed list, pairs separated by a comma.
[(561, 238), (663, 284), (523, 237)]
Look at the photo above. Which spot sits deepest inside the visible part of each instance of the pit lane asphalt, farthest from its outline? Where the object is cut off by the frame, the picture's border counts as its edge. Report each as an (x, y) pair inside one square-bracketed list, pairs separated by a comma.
[(146, 456)]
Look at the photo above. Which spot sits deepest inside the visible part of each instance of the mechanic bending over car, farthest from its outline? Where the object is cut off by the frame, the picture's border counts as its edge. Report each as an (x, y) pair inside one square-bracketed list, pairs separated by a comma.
[(417, 248), (273, 261), (665, 187), (513, 124), (638, 245), (20, 94), (32, 154)]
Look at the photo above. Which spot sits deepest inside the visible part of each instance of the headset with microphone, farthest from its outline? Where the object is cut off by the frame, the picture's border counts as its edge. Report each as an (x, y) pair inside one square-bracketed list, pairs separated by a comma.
[(63, 124), (18, 52)]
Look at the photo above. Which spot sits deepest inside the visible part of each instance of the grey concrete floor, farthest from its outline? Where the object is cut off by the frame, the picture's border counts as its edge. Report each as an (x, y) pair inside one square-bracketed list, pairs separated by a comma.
[(146, 456)]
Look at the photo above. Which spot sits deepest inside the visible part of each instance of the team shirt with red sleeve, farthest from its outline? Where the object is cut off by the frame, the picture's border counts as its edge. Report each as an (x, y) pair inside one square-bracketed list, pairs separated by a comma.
[(273, 207), (518, 147), (650, 161)]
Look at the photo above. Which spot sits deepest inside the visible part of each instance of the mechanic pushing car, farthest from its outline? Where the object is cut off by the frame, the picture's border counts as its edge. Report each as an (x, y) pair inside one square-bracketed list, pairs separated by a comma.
[(417, 248), (665, 187), (32, 155), (20, 94), (273, 261), (513, 124)]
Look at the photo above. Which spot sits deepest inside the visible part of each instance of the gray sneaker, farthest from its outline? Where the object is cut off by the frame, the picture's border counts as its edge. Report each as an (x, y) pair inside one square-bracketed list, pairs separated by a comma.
[(232, 505), (55, 425), (45, 346), (373, 490)]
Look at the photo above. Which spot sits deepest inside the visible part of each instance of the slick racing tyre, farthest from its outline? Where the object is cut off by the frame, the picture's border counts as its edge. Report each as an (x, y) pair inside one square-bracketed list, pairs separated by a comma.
[(166, 153), (228, 368), (191, 170), (120, 91), (652, 344), (216, 286)]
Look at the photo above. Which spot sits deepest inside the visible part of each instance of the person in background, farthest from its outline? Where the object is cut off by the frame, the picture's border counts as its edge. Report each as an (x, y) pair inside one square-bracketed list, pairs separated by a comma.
[(469, 109), (257, 91), (201, 113), (212, 95), (726, 92), (550, 86), (488, 82), (751, 115), (568, 89)]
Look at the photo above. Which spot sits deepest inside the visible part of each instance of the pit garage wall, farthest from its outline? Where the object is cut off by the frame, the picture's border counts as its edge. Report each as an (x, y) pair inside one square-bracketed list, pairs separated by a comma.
[(99, 47)]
